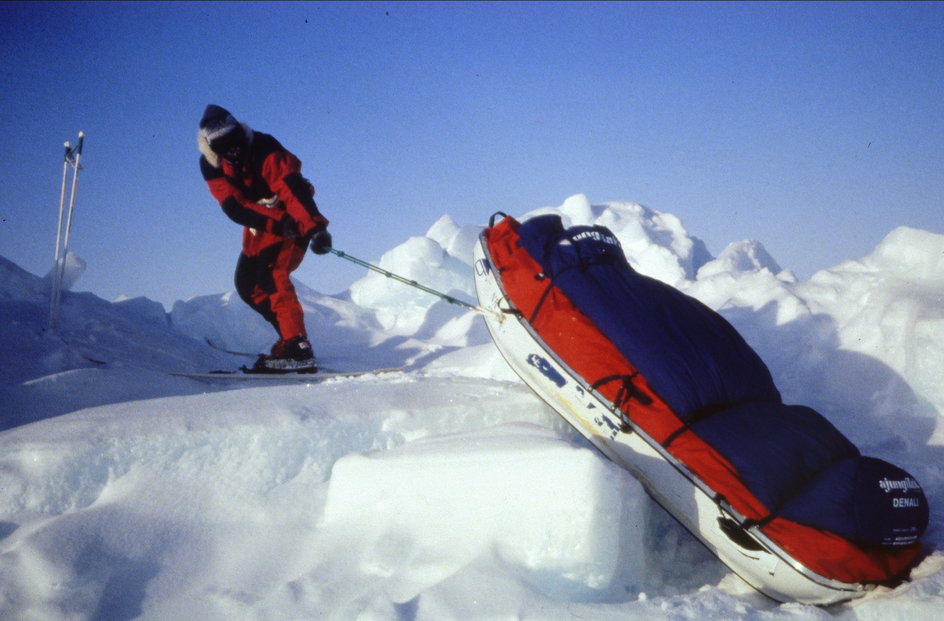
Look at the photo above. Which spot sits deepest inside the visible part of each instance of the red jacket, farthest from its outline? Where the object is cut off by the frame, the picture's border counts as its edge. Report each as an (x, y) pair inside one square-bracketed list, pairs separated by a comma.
[(267, 194)]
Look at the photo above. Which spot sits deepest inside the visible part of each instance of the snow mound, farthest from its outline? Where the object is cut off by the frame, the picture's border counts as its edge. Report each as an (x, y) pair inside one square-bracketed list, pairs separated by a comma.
[(743, 256), (441, 260), (889, 306), (411, 505), (912, 252), (18, 284), (655, 243), (73, 266)]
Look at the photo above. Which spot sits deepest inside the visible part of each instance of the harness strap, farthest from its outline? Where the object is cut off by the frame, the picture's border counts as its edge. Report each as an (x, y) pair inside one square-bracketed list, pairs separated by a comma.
[(626, 393), (695, 417), (541, 300)]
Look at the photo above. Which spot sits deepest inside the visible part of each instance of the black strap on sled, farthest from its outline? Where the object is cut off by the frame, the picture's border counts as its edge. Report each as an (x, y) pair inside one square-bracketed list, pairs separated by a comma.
[(762, 522), (745, 523), (544, 294), (697, 416), (797, 487), (626, 393), (737, 532)]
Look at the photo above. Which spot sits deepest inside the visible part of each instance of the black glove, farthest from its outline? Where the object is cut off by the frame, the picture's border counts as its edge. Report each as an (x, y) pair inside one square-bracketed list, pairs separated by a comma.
[(321, 242), (289, 227)]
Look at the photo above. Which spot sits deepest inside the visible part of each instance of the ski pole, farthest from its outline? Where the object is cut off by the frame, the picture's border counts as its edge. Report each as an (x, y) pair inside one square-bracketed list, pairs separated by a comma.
[(406, 281), (58, 257), (73, 157)]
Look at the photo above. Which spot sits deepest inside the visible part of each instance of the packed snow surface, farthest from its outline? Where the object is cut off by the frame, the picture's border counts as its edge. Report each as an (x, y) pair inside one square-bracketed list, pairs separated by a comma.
[(444, 491)]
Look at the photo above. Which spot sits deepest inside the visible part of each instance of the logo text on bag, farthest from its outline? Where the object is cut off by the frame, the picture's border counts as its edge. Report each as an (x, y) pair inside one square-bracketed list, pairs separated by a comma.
[(596, 236), (904, 485)]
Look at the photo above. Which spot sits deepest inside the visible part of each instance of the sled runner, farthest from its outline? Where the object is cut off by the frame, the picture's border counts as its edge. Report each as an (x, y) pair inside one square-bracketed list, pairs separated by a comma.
[(664, 387)]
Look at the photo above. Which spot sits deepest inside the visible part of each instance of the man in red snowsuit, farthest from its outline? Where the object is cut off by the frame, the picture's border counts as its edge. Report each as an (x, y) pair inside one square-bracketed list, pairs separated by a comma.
[(259, 185)]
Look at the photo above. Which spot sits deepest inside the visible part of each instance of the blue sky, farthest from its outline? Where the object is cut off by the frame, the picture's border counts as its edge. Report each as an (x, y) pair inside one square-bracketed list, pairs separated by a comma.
[(815, 128)]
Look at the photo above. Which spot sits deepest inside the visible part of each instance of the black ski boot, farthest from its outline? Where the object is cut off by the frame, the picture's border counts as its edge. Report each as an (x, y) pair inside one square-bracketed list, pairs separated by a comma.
[(291, 356)]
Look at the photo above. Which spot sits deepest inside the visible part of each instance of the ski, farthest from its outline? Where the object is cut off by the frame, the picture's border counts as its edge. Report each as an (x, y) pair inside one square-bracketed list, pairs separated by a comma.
[(244, 354), (297, 378)]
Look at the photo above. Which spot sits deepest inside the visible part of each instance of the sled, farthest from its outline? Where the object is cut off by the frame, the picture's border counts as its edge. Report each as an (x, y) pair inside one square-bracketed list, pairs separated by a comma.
[(754, 548)]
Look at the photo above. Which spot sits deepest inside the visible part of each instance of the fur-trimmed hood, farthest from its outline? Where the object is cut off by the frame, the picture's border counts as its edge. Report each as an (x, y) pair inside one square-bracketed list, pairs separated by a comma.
[(203, 145)]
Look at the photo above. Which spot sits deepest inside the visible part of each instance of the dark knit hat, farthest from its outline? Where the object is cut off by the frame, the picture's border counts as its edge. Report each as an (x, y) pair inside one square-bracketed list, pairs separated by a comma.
[(216, 123)]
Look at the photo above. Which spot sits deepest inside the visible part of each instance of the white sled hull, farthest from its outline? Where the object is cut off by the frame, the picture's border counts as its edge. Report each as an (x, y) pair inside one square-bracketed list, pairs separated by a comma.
[(752, 556)]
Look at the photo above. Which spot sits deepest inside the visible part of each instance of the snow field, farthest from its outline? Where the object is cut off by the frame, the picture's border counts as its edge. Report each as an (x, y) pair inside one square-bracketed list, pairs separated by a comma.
[(447, 491)]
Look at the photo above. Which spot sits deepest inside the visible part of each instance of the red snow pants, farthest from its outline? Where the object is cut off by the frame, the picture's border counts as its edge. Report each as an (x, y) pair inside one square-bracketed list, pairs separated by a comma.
[(263, 282)]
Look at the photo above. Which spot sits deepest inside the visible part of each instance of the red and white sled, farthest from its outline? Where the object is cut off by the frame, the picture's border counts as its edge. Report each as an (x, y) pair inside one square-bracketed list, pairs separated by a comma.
[(763, 554)]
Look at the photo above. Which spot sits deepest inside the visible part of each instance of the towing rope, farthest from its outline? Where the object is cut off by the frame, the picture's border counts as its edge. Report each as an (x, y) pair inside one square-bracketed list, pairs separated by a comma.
[(406, 281)]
